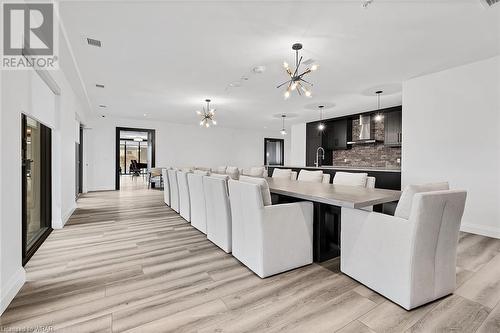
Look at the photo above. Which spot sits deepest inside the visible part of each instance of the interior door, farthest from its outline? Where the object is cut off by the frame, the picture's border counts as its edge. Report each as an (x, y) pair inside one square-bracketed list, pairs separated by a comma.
[(36, 180)]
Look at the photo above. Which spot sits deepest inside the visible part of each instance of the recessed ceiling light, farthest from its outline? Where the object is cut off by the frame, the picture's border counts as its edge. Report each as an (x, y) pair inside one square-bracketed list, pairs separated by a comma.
[(98, 85), (94, 42), (103, 116), (145, 115), (259, 69)]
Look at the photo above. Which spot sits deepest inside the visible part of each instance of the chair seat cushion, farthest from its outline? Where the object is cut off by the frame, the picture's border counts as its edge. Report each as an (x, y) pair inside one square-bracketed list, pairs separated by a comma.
[(310, 176), (403, 208), (282, 173), (264, 188), (350, 178)]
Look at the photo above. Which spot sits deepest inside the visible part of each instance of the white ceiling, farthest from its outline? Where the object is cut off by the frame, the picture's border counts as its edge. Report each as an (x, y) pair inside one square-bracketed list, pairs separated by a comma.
[(160, 60)]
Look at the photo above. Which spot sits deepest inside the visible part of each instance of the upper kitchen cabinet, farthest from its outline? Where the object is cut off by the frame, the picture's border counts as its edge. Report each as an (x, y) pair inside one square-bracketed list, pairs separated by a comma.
[(393, 128), (338, 133), (315, 139)]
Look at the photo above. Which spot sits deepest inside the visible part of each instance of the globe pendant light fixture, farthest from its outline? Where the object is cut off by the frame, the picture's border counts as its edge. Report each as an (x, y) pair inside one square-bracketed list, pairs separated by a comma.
[(207, 115), (296, 81), (321, 125), (283, 131)]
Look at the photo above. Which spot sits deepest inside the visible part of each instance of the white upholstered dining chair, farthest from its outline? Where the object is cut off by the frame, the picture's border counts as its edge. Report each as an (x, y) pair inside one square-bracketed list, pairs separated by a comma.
[(269, 239), (166, 187), (174, 189), (359, 179), (197, 200), (284, 174), (316, 176), (184, 201), (409, 258), (218, 211)]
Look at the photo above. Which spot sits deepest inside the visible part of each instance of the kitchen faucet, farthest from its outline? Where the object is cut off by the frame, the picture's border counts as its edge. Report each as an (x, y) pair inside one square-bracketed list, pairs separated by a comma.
[(320, 149)]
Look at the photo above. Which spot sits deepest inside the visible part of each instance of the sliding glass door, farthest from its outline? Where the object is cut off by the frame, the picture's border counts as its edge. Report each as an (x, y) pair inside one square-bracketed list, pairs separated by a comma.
[(36, 185)]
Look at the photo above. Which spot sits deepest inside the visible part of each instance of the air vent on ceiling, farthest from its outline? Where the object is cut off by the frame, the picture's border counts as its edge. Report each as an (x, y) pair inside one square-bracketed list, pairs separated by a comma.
[(99, 85), (94, 42), (489, 3)]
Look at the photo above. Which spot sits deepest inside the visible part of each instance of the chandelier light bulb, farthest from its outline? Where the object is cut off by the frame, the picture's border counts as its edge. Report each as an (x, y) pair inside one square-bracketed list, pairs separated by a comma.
[(308, 93), (285, 64), (294, 86), (314, 67), (214, 122), (207, 124), (379, 117), (198, 113), (201, 123), (321, 126), (283, 132), (287, 94)]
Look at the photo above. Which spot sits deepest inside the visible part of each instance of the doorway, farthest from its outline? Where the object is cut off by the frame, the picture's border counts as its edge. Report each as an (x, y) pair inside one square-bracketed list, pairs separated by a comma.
[(79, 164), (135, 153), (274, 151), (36, 153)]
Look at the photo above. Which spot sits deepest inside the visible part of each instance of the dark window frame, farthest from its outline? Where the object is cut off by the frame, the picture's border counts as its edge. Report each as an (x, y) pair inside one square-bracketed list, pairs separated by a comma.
[(282, 141), (151, 137)]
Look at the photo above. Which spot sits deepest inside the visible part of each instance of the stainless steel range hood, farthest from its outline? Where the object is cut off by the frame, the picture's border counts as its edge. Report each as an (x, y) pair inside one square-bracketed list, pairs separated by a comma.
[(365, 131)]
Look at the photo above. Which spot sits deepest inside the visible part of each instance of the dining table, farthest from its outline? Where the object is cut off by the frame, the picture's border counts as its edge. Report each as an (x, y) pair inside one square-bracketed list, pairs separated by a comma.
[(328, 200)]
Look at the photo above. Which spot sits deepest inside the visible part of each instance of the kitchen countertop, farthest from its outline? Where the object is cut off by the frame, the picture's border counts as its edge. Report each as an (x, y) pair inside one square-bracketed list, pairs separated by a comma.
[(337, 167)]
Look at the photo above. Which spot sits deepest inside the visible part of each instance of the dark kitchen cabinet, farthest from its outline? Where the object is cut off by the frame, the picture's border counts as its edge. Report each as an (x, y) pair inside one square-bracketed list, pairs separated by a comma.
[(338, 133), (314, 139), (393, 128)]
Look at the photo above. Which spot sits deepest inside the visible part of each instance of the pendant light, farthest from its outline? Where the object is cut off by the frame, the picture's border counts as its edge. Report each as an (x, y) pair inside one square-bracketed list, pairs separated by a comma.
[(296, 79), (283, 131), (321, 125), (207, 115), (379, 116)]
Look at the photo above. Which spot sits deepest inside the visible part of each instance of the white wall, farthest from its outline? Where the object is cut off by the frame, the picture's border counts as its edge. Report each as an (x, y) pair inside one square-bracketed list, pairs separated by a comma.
[(176, 145), (451, 131), (298, 145), (25, 92)]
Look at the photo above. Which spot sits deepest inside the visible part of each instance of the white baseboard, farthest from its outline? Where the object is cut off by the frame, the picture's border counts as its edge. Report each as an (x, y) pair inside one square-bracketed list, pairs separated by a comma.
[(68, 215), (60, 223), (481, 230), (12, 288)]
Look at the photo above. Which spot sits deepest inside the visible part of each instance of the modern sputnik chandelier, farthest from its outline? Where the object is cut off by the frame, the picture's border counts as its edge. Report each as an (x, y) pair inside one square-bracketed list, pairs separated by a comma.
[(207, 115), (297, 81)]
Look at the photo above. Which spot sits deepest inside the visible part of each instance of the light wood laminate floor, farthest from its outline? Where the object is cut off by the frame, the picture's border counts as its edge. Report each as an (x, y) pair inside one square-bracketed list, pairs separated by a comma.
[(126, 262)]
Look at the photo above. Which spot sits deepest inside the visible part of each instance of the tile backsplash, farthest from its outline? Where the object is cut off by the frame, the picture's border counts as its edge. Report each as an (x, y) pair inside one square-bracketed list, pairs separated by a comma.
[(369, 155)]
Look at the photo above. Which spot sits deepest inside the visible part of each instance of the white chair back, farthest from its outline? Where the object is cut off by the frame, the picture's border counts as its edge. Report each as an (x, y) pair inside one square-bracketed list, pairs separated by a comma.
[(184, 201), (282, 173), (370, 182), (166, 187), (310, 176), (436, 217), (218, 211), (246, 212), (197, 200), (350, 178), (326, 178), (174, 190)]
